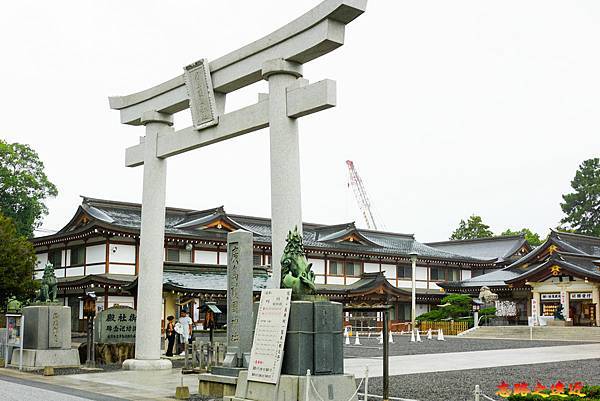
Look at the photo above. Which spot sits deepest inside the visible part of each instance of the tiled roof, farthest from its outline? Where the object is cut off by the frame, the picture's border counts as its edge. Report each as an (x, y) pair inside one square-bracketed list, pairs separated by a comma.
[(499, 248), (186, 223)]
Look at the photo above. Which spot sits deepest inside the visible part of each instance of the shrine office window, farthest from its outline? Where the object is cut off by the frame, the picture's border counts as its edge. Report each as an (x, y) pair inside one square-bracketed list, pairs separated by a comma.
[(179, 255), (256, 260), (404, 271), (353, 269), (336, 268), (55, 257), (77, 256)]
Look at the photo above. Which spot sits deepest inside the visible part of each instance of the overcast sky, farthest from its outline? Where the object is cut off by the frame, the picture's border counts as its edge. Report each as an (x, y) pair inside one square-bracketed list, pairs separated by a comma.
[(448, 108)]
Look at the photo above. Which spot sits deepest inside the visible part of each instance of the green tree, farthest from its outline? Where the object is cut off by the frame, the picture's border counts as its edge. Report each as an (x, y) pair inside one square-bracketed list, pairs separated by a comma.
[(472, 228), (582, 207), (531, 237), (17, 262), (453, 306), (23, 186)]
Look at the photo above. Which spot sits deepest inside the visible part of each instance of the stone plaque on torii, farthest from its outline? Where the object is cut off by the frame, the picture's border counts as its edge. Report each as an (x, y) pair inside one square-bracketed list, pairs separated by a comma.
[(277, 58)]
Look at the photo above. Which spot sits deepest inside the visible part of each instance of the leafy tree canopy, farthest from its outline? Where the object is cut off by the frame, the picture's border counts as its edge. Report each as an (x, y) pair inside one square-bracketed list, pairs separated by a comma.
[(17, 262), (23, 186), (455, 306), (472, 228), (531, 237), (582, 206)]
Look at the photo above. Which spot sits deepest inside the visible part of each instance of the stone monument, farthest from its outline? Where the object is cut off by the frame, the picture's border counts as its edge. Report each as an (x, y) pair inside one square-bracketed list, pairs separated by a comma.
[(239, 300), (203, 86), (47, 330)]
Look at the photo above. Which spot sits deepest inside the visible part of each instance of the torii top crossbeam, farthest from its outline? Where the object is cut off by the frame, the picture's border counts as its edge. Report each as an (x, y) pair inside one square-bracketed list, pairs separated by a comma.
[(308, 37)]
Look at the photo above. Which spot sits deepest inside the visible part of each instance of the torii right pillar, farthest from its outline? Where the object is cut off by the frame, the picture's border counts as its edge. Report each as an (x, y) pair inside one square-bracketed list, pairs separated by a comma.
[(286, 193)]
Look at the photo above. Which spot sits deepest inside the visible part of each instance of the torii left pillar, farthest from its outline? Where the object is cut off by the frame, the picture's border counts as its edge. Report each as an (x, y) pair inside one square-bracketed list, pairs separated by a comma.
[(152, 237)]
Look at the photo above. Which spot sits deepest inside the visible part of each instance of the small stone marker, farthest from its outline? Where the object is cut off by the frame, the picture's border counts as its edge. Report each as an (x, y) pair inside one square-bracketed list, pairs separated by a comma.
[(269, 337), (239, 298), (115, 325)]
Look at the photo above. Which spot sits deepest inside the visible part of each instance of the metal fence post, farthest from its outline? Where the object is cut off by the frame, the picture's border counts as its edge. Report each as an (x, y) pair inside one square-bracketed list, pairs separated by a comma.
[(477, 392)]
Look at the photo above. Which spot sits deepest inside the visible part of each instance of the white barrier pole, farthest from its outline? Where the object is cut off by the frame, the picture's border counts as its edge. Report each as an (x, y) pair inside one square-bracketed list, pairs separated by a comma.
[(366, 384), (306, 392)]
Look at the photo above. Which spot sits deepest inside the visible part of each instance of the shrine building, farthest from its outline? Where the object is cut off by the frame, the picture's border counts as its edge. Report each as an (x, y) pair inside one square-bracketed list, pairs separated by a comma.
[(99, 248)]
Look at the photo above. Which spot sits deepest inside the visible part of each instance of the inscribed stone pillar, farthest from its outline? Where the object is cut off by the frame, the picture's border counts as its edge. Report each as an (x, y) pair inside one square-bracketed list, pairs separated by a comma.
[(239, 298), (152, 234), (286, 200)]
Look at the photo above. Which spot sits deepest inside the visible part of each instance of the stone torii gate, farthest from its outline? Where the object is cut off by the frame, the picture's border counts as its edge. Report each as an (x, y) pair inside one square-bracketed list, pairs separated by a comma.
[(277, 58)]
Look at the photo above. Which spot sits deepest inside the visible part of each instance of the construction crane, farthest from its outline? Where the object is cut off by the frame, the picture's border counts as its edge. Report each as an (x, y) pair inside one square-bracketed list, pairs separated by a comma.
[(361, 195)]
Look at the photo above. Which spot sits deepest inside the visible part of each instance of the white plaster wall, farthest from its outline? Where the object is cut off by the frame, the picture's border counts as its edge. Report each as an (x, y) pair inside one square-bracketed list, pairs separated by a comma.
[(392, 281), (371, 267), (335, 280), (206, 257), (123, 253), (42, 259), (74, 271), (222, 258), (421, 308), (121, 269), (404, 283), (318, 265), (434, 286), (421, 284), (350, 280), (67, 257), (39, 274), (422, 273), (97, 269), (389, 271), (465, 274), (95, 254), (320, 279), (59, 272)]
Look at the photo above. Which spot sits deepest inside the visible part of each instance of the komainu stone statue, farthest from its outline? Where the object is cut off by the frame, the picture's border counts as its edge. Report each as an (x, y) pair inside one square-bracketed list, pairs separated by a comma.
[(295, 269), (487, 296), (48, 288)]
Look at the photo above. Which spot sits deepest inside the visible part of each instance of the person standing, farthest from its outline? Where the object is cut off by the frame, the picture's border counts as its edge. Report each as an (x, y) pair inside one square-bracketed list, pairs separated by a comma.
[(170, 333), (186, 329)]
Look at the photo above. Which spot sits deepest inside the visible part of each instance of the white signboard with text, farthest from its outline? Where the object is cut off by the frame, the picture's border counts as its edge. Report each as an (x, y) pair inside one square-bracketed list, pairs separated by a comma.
[(269, 336)]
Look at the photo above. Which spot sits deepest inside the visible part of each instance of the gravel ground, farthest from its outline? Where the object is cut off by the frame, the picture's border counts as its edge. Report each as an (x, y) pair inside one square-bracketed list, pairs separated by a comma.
[(459, 385), (402, 346)]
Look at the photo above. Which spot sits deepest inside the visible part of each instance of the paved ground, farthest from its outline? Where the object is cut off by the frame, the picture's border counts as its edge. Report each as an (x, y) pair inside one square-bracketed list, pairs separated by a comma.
[(459, 385), (402, 346), (16, 389), (118, 385), (442, 362)]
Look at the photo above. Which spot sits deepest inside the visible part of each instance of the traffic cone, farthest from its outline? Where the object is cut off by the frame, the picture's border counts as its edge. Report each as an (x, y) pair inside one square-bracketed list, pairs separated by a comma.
[(391, 338), (347, 338), (357, 340), (401, 332), (440, 335), (412, 336), (381, 337), (418, 336), (429, 334)]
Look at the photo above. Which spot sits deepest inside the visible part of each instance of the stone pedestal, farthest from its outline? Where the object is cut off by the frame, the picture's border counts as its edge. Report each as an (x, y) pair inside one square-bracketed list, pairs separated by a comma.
[(293, 388), (46, 338), (314, 341)]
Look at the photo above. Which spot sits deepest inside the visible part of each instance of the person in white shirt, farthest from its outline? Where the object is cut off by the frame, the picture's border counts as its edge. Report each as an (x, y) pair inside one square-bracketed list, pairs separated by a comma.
[(186, 329)]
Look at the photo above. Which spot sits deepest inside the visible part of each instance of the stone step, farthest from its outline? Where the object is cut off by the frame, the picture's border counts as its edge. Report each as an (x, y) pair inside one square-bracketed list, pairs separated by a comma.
[(539, 333)]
